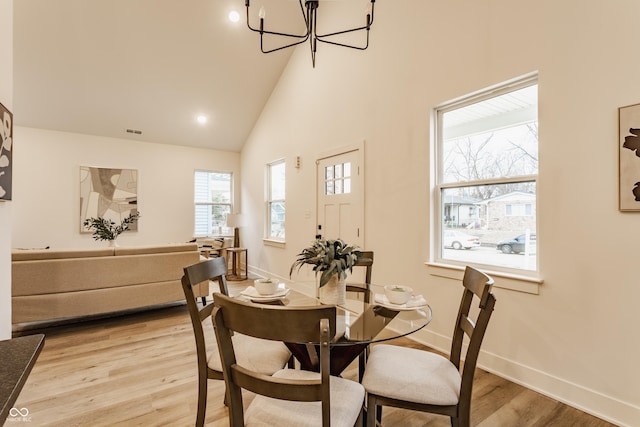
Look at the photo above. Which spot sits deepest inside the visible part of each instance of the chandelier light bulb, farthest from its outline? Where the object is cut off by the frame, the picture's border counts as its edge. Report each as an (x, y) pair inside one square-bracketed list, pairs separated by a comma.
[(262, 13)]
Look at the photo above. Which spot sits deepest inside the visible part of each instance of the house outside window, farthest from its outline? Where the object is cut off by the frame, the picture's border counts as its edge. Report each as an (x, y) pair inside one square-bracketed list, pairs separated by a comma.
[(213, 196), (275, 227), (486, 177)]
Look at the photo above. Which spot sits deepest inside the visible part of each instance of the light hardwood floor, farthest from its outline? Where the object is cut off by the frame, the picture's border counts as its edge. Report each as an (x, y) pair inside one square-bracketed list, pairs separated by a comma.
[(140, 370)]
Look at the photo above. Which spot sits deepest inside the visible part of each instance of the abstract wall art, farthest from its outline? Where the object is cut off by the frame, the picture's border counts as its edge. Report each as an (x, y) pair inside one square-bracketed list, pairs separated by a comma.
[(629, 146), (6, 158), (108, 193)]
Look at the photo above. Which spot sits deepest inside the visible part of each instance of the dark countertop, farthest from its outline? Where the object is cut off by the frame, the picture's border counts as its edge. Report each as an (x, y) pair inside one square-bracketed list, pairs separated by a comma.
[(17, 357)]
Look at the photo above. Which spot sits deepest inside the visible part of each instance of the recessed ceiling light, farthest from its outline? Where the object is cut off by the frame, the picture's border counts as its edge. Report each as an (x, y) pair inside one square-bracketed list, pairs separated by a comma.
[(201, 119), (234, 16)]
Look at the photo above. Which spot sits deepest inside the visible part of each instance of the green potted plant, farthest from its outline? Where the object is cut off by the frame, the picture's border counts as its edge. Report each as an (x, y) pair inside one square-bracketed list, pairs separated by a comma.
[(105, 229), (332, 258)]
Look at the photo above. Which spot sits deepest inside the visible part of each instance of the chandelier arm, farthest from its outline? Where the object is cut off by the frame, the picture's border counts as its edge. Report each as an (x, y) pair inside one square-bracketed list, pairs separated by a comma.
[(345, 45), (366, 27), (282, 47), (275, 33), (343, 32)]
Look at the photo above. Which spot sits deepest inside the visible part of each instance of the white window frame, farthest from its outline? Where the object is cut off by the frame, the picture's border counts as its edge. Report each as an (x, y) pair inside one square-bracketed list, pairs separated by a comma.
[(513, 278), (224, 230), (268, 232)]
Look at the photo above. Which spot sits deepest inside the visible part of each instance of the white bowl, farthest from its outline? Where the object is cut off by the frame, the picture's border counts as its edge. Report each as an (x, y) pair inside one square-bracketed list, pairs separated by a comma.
[(398, 294), (265, 286)]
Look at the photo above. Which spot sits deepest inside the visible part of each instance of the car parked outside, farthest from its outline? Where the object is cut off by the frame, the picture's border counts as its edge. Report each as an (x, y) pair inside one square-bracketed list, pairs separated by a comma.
[(517, 244), (459, 240)]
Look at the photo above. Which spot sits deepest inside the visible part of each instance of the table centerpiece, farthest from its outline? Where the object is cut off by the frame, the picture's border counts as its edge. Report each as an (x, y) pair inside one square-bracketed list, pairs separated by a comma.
[(333, 258)]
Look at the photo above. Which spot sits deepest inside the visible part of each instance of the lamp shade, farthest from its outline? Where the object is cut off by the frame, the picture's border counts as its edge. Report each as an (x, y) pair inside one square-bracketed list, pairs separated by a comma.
[(234, 220)]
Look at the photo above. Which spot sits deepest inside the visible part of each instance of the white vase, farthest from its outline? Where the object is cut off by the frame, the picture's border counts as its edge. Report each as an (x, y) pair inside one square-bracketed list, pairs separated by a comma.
[(113, 243), (334, 292)]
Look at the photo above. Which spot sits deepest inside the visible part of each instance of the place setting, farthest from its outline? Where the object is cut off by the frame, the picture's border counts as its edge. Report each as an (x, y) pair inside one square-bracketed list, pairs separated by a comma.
[(399, 297), (266, 290)]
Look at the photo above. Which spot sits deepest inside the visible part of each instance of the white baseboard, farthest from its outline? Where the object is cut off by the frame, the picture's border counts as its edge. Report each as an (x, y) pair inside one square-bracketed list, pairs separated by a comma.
[(608, 408)]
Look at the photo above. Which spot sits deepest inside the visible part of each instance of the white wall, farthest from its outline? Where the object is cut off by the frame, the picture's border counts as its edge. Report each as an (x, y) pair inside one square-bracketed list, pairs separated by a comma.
[(576, 340), (6, 98), (47, 188)]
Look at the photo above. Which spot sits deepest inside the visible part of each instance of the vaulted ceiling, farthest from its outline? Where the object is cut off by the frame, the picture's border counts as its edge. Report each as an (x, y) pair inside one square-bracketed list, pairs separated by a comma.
[(101, 67)]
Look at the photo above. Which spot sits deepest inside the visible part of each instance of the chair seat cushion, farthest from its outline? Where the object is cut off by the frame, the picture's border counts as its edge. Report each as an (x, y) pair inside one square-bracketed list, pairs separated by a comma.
[(347, 398), (260, 355), (411, 375)]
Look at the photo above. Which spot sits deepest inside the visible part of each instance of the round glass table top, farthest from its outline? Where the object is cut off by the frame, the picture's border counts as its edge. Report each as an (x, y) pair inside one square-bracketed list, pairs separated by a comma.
[(364, 315)]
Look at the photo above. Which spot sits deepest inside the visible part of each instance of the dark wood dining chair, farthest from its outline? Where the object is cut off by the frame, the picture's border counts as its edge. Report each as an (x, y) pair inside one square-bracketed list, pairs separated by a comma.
[(423, 381), (365, 259), (266, 356), (291, 397)]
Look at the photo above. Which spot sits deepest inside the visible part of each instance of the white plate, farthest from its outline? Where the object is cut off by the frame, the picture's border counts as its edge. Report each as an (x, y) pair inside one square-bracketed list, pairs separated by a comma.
[(251, 293), (416, 303)]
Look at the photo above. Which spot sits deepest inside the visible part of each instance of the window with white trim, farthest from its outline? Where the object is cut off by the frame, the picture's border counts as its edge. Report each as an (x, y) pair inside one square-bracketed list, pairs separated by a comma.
[(213, 196), (275, 228), (486, 178)]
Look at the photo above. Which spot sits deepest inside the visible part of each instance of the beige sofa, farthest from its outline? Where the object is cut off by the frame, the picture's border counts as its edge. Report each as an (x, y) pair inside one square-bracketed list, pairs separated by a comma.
[(55, 284)]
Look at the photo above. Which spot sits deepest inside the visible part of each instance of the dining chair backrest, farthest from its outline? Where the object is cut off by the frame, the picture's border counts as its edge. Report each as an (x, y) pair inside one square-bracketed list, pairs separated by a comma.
[(214, 269), (365, 259), (476, 284), (316, 324)]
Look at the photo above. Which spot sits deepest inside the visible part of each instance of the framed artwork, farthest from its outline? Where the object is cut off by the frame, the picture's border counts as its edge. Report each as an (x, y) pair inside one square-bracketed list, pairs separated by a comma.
[(629, 145), (108, 193), (6, 159)]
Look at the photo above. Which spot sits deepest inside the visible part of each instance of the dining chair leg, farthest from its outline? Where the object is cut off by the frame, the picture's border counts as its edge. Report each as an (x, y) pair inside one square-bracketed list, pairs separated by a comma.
[(371, 410), (202, 401)]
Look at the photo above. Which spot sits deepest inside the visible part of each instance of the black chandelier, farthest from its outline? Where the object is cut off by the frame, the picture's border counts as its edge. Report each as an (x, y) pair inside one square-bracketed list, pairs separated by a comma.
[(309, 14)]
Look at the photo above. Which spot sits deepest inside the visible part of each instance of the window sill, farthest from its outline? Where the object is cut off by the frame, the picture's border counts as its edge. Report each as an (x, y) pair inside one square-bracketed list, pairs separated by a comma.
[(514, 282), (275, 243)]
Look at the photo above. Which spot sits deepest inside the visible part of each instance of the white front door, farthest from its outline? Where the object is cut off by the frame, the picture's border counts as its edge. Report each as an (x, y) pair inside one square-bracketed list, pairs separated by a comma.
[(340, 197)]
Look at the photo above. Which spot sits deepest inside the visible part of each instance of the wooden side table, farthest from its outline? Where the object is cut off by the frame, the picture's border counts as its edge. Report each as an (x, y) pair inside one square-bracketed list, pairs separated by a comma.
[(238, 269)]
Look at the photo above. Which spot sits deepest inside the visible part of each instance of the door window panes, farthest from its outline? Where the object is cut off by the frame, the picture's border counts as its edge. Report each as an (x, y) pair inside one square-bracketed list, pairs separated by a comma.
[(338, 179)]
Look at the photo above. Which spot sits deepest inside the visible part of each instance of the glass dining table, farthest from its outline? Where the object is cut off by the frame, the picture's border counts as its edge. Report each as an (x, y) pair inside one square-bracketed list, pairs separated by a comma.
[(360, 321)]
